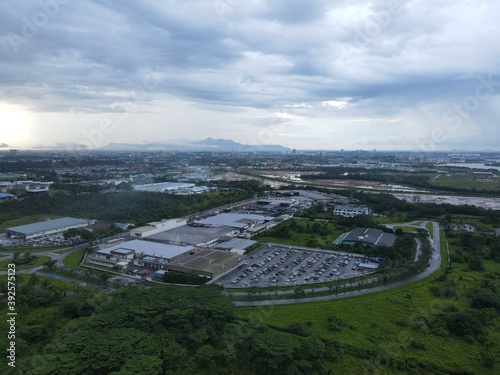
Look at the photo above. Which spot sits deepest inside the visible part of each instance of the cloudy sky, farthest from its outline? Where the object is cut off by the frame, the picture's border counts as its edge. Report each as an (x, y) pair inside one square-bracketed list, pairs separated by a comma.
[(307, 74)]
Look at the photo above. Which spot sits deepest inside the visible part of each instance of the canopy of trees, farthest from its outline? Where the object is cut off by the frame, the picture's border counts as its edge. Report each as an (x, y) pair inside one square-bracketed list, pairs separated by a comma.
[(163, 330)]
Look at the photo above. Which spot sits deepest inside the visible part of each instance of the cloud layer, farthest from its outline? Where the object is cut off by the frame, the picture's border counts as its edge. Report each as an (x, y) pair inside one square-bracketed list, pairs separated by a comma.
[(307, 74)]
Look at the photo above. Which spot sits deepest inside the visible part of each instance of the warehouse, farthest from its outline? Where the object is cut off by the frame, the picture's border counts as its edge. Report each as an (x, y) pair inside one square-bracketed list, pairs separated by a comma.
[(163, 187), (45, 228), (350, 210), (141, 253), (157, 227), (196, 236), (239, 221)]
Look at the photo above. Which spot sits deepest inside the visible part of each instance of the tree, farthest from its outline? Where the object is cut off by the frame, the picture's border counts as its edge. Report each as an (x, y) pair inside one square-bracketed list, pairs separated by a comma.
[(33, 280), (50, 264)]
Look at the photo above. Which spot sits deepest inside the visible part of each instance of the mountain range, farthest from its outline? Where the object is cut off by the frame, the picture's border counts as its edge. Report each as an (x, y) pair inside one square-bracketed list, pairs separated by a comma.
[(209, 144)]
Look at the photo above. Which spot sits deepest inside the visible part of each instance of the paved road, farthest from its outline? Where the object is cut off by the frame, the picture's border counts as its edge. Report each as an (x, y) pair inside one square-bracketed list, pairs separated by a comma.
[(435, 264), (59, 263)]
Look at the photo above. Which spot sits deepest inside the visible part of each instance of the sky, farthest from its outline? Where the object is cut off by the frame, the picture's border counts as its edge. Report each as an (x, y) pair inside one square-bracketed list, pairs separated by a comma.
[(421, 75)]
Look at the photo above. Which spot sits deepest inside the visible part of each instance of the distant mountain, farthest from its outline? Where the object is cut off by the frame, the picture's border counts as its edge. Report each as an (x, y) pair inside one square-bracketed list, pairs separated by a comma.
[(209, 144)]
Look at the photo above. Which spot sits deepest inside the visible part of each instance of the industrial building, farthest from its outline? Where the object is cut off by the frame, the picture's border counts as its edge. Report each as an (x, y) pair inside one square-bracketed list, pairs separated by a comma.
[(45, 228), (163, 187), (350, 210), (204, 262), (238, 245), (139, 252), (157, 227), (369, 237), (239, 221), (194, 235)]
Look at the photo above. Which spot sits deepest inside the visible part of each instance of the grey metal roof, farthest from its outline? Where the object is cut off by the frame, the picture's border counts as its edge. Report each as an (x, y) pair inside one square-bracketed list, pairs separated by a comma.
[(370, 236), (191, 235), (48, 225), (149, 248), (235, 220), (236, 243)]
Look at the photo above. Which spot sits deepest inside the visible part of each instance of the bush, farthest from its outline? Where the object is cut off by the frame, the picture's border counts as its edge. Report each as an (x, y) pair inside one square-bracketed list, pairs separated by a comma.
[(335, 324)]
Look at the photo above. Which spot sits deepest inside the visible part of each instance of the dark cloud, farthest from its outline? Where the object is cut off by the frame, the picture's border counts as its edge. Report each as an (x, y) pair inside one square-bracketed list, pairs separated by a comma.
[(93, 57)]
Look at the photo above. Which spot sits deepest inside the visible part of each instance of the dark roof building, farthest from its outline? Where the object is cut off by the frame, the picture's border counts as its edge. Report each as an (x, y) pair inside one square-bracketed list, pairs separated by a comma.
[(369, 237)]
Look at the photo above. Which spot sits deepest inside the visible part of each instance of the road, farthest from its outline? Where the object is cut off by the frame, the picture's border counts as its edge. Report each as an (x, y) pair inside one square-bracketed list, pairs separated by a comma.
[(59, 263), (434, 265)]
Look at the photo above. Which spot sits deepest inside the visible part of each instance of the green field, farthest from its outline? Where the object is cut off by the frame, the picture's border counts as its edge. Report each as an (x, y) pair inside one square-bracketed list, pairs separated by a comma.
[(430, 228), (406, 228), (469, 182), (395, 327), (303, 233), (38, 261), (73, 260)]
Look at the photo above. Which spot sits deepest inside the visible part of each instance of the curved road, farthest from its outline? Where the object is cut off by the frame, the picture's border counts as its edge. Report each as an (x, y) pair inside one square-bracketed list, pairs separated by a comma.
[(58, 257), (434, 265)]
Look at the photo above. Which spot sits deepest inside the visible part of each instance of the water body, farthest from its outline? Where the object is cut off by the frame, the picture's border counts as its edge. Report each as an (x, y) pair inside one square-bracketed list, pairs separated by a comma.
[(469, 165)]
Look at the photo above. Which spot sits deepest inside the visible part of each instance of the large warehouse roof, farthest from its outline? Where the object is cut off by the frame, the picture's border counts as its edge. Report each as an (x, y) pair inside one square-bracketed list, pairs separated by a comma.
[(236, 243), (156, 249), (163, 186), (235, 220), (207, 262), (370, 236), (48, 225), (191, 235)]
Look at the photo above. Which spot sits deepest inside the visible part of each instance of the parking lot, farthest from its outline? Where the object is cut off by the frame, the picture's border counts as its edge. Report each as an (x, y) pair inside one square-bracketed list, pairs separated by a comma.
[(281, 265)]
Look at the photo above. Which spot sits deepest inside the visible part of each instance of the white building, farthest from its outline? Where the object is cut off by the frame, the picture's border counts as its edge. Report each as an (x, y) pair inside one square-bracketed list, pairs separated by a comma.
[(164, 187), (141, 253), (350, 210), (156, 227)]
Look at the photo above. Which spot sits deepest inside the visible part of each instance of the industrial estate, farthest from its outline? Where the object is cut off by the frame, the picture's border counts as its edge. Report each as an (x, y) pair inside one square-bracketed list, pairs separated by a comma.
[(292, 232)]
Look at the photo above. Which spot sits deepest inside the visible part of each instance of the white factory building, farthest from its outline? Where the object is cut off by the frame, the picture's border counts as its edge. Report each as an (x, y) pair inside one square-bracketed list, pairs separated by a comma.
[(350, 210), (156, 227), (141, 253)]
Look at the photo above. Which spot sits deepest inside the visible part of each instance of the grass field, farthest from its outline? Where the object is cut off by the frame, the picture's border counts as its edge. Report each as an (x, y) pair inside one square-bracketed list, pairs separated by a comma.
[(302, 234), (36, 249), (430, 228), (406, 228), (468, 182), (384, 322), (38, 261), (73, 260)]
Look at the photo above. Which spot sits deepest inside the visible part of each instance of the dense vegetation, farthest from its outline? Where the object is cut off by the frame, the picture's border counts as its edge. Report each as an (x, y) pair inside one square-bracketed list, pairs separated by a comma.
[(129, 206), (445, 324), (161, 330)]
